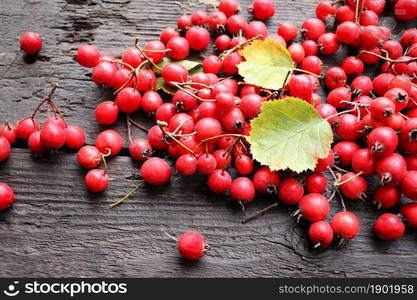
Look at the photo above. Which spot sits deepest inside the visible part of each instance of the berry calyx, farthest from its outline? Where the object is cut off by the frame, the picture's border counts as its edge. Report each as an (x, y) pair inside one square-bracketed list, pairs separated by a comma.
[(140, 149), (266, 181)]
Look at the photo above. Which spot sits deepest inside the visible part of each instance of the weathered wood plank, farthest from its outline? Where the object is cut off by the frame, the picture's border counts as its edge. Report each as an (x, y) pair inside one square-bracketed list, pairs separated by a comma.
[(56, 228)]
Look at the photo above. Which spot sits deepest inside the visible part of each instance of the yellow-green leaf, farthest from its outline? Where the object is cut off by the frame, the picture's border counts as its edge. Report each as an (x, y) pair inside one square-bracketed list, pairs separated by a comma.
[(289, 134), (267, 64)]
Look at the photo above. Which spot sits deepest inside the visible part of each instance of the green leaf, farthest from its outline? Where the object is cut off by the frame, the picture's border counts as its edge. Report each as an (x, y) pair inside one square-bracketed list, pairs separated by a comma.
[(267, 64), (196, 69), (160, 82), (162, 85), (289, 133), (188, 64)]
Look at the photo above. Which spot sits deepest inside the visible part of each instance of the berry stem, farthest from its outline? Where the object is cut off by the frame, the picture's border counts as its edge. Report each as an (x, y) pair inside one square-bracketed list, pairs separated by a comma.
[(35, 111), (53, 106), (171, 236), (179, 142), (177, 85), (138, 125), (340, 169), (339, 183), (180, 125), (129, 128), (168, 134), (193, 83), (56, 109), (390, 60), (404, 116), (306, 72), (145, 56), (332, 173), (127, 195), (103, 159), (158, 51), (259, 213), (244, 146), (52, 92), (184, 134), (133, 74), (341, 113), (120, 62), (332, 195), (238, 46), (229, 151), (217, 137), (355, 103), (342, 202), (357, 12), (414, 46)]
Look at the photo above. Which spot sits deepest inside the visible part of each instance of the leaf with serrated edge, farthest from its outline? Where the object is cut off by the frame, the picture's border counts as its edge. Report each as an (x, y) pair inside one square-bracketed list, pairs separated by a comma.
[(289, 134), (267, 64)]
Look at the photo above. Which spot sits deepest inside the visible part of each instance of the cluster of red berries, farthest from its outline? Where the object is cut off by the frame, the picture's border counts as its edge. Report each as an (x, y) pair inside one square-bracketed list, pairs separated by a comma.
[(376, 123), (52, 135), (204, 125)]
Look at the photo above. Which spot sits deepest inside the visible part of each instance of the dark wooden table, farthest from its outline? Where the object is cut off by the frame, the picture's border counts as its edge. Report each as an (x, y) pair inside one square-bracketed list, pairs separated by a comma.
[(56, 228)]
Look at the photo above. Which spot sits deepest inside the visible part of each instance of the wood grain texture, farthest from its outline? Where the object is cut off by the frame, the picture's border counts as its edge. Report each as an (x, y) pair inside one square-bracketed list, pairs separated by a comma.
[(56, 228)]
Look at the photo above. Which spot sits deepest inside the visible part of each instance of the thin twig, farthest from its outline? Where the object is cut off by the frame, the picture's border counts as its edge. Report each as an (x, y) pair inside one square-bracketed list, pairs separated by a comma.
[(337, 184), (390, 60), (176, 84), (129, 131), (259, 213), (138, 125), (127, 195), (238, 46), (145, 56), (217, 137)]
